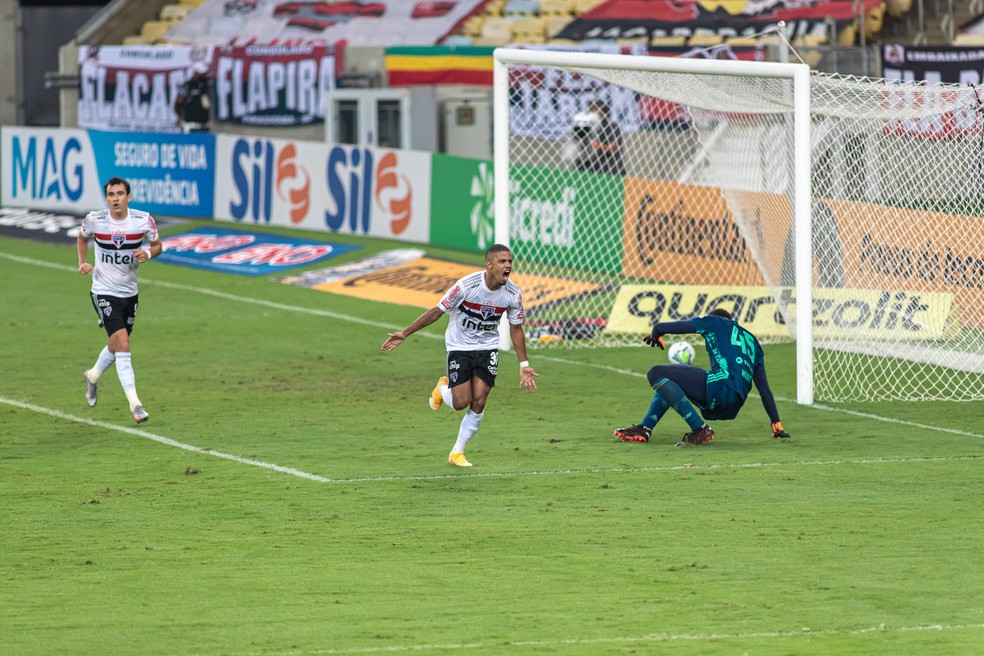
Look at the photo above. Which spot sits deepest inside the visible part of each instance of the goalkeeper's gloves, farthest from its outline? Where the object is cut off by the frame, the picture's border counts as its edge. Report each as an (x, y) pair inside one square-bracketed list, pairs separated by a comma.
[(655, 339), (777, 430)]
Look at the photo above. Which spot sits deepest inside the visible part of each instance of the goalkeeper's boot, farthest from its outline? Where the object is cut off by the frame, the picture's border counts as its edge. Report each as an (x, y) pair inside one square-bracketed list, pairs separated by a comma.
[(91, 390), (435, 399), (458, 459), (638, 433), (700, 436), (139, 414)]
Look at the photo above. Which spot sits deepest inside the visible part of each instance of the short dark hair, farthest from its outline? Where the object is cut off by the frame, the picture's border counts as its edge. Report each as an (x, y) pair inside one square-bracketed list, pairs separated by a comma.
[(493, 249), (721, 312), (116, 181)]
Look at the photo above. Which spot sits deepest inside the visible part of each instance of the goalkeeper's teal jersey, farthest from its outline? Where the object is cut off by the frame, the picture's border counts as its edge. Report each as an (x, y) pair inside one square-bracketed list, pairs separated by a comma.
[(734, 353)]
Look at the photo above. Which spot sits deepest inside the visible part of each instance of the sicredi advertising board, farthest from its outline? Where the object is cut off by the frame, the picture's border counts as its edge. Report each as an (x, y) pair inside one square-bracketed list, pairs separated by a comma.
[(317, 186)]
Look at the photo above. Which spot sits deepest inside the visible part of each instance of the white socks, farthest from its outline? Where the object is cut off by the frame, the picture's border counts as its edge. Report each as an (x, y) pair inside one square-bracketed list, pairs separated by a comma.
[(103, 362), (124, 369), (446, 395), (469, 424)]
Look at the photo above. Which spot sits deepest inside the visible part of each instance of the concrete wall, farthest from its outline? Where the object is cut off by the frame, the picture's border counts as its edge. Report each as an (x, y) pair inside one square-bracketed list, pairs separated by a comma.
[(9, 62)]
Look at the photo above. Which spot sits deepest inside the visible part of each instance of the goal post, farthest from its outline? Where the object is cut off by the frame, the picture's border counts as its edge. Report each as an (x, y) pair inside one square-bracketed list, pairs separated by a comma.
[(598, 65), (844, 213)]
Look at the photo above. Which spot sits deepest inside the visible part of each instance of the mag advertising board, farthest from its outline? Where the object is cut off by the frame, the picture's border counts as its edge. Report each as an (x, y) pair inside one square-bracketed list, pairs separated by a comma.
[(65, 169)]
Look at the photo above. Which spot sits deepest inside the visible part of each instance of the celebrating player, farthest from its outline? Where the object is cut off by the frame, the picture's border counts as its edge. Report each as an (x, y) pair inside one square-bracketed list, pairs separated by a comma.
[(475, 304), (737, 360), (118, 232)]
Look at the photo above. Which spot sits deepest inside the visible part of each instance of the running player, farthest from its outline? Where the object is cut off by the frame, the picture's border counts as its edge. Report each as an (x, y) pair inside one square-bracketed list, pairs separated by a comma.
[(118, 232), (738, 362), (475, 304)]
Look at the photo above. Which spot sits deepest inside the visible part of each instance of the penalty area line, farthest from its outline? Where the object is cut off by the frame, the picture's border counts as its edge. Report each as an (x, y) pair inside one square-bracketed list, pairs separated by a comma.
[(163, 440), (652, 638), (290, 471)]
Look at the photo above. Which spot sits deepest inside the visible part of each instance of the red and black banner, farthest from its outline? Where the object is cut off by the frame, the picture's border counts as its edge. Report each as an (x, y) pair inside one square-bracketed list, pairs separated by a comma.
[(622, 19)]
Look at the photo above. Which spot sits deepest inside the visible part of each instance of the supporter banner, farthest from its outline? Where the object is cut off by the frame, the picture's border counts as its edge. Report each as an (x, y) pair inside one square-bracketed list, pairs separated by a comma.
[(462, 208), (132, 88), (273, 85), (544, 101), (421, 283), (168, 174), (412, 65), (379, 23), (932, 63), (859, 313), (244, 253), (554, 213), (312, 185), (623, 19), (49, 169)]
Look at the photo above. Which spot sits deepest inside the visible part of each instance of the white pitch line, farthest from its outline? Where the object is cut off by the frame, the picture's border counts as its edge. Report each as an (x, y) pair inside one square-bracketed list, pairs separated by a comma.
[(436, 477), (58, 414), (653, 638)]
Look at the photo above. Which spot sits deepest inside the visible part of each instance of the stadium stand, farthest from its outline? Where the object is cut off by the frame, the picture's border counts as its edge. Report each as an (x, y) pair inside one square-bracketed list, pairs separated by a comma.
[(557, 8), (704, 40), (175, 12), (521, 8), (532, 30), (496, 31)]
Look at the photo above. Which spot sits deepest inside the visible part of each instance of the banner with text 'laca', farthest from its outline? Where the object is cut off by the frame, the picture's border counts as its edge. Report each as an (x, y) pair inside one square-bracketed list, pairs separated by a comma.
[(317, 186)]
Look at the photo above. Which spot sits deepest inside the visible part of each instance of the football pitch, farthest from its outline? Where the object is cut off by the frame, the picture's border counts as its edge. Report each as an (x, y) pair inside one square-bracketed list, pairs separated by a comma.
[(290, 495)]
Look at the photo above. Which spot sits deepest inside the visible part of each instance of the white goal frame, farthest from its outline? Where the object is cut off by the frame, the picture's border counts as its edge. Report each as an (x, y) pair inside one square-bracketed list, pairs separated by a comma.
[(799, 74)]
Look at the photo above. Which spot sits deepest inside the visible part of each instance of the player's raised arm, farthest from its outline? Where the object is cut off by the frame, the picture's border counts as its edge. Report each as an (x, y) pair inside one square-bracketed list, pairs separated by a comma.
[(427, 318)]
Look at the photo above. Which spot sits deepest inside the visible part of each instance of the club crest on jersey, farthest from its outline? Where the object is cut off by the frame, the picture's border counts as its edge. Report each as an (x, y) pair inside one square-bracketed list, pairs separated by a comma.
[(487, 311), (118, 240)]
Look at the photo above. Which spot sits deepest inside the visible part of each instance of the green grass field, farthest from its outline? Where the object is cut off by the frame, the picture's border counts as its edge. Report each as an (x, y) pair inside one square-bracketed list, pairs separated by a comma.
[(290, 494)]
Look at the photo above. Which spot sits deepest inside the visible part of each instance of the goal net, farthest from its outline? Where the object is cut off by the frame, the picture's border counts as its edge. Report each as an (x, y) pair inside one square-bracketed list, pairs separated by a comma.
[(641, 189)]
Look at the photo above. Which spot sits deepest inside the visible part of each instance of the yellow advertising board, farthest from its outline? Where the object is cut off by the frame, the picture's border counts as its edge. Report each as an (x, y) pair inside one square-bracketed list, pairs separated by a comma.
[(683, 233), (422, 282), (865, 314), (688, 234)]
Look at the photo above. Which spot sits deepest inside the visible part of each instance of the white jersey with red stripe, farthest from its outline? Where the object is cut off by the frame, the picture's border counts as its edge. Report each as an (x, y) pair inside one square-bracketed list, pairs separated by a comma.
[(116, 242), (474, 312)]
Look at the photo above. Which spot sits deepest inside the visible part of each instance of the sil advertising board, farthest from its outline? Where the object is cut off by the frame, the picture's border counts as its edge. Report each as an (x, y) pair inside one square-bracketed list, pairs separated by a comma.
[(316, 186)]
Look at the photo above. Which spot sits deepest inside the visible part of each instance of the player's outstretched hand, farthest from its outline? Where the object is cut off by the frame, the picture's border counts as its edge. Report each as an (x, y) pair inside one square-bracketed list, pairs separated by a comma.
[(777, 430), (527, 378), (393, 340), (655, 339)]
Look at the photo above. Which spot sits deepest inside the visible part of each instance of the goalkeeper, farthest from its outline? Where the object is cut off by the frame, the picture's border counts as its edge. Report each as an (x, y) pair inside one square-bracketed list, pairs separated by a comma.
[(738, 362)]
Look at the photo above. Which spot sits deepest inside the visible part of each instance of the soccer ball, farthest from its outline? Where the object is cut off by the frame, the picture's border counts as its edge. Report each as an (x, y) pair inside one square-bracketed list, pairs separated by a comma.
[(681, 353)]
